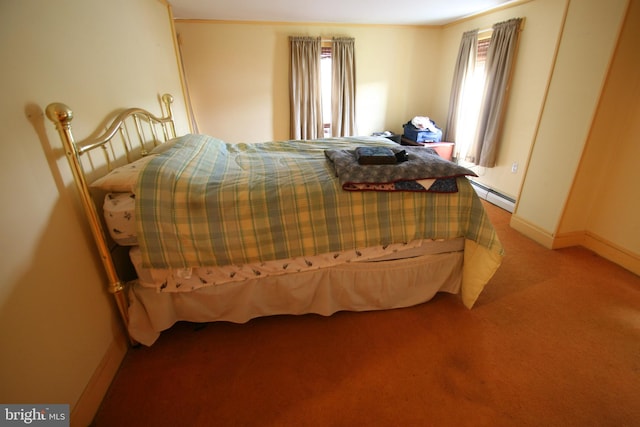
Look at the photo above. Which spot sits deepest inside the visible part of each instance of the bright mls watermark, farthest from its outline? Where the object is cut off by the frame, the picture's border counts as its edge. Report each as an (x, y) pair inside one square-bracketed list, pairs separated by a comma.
[(35, 415)]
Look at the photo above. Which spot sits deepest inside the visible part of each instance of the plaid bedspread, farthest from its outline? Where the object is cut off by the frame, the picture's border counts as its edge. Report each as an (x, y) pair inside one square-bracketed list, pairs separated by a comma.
[(205, 202)]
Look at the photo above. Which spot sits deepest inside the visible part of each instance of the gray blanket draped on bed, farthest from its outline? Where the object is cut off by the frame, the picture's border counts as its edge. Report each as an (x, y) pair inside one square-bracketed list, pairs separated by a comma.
[(423, 163)]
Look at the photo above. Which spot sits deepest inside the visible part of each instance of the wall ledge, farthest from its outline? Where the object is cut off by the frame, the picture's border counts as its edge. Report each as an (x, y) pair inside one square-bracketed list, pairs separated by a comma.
[(532, 231), (612, 252), (565, 240), (87, 406), (601, 246)]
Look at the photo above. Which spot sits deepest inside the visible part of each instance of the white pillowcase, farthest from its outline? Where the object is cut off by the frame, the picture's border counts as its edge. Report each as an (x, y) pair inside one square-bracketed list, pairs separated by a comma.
[(120, 216), (122, 179)]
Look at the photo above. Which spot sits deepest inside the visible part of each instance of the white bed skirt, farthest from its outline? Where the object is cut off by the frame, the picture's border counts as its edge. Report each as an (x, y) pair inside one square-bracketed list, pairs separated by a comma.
[(362, 286)]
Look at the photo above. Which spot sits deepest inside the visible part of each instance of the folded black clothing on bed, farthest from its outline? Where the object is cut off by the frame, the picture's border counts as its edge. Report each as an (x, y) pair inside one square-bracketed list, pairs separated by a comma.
[(379, 156)]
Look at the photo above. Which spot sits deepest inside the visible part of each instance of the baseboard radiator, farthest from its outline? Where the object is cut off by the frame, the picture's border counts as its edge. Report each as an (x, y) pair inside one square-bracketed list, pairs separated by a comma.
[(494, 197)]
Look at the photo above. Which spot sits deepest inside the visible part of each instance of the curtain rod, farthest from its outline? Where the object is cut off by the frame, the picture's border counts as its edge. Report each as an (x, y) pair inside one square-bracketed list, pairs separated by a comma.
[(323, 39), (522, 21)]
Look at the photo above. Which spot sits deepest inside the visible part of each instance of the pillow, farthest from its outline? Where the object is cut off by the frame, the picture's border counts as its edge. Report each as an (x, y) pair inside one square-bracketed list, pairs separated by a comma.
[(122, 179), (120, 216), (164, 146)]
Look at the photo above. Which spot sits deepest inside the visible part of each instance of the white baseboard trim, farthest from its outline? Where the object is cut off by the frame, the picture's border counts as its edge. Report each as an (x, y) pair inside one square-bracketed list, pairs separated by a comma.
[(565, 240), (87, 406), (612, 252), (494, 197), (532, 231), (597, 244)]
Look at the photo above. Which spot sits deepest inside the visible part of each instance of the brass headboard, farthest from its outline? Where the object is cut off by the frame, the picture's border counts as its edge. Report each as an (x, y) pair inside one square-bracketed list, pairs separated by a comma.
[(137, 130)]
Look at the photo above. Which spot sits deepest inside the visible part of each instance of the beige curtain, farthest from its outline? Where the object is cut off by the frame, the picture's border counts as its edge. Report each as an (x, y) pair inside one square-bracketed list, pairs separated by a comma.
[(343, 87), (305, 88), (465, 65), (499, 65)]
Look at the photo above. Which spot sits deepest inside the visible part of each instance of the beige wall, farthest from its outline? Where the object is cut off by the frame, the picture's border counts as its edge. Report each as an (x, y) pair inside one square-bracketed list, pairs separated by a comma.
[(588, 41), (536, 53), (57, 324), (238, 75), (604, 199)]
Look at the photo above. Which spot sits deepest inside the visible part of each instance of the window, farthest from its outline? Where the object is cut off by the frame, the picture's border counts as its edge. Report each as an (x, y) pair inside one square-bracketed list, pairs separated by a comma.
[(325, 75), (473, 87), (308, 82), (479, 94)]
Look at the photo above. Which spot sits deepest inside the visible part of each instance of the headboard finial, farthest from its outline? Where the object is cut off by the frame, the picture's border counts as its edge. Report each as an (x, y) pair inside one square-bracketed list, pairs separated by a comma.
[(58, 112), (167, 98)]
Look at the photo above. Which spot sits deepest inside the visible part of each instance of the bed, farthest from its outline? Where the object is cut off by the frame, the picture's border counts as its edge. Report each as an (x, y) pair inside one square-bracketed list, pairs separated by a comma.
[(191, 228)]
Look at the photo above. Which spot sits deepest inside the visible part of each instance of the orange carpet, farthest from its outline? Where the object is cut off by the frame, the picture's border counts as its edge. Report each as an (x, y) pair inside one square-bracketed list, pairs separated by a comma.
[(554, 340)]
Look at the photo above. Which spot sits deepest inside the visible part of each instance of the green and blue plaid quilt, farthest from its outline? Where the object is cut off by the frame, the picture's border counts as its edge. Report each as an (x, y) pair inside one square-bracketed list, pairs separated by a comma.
[(205, 203)]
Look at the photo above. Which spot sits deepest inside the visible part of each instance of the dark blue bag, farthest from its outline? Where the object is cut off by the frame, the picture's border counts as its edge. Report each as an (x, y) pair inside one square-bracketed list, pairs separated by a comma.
[(421, 135)]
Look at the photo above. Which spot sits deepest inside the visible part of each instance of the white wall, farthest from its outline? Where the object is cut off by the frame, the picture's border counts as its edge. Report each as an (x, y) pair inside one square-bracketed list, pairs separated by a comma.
[(588, 42), (57, 322)]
